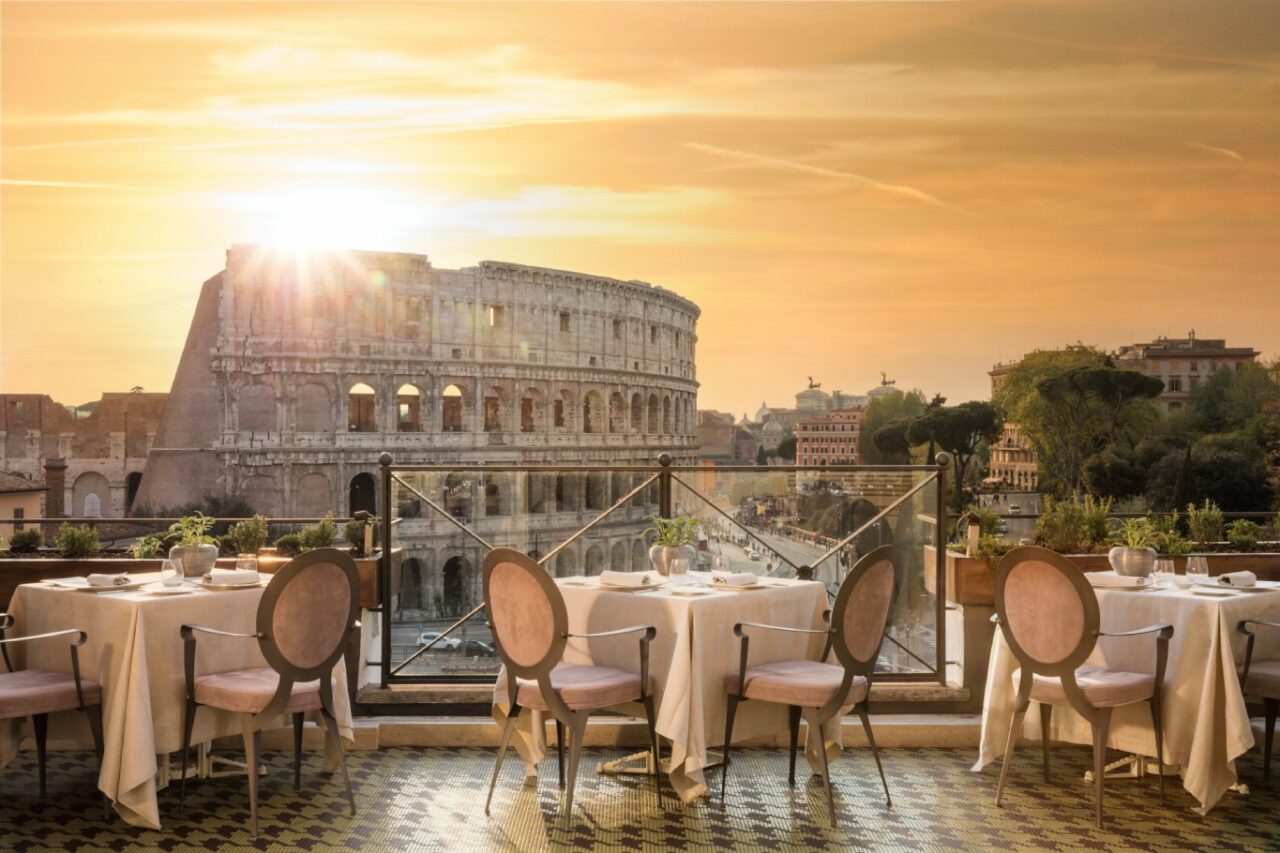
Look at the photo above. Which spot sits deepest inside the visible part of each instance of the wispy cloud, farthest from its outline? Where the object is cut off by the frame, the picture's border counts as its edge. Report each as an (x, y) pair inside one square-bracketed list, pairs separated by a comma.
[(69, 185), (764, 161), (1215, 150)]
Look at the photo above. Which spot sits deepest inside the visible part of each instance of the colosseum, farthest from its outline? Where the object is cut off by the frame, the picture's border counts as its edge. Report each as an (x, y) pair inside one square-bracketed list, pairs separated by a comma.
[(298, 370)]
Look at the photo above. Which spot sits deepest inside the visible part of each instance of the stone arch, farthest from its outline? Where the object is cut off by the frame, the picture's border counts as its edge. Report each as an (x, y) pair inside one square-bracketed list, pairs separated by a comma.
[(617, 413), (566, 563), (592, 413), (362, 494), (453, 402), (618, 557), (637, 413), (595, 560), (91, 495), (313, 495), (562, 410), (494, 409), (653, 414), (413, 592), (597, 492), (455, 585), (262, 493), (639, 559), (666, 416), (131, 485), (362, 408), (313, 409), (256, 408), (532, 411), (408, 408), (495, 495)]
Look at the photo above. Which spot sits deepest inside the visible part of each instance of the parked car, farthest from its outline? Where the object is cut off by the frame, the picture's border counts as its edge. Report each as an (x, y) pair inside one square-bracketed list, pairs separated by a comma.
[(450, 643), (477, 649), (755, 556)]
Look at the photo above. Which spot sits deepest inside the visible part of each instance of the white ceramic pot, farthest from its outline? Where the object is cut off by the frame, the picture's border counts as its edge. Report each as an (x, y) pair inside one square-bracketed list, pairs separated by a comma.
[(1132, 562), (196, 560), (660, 557)]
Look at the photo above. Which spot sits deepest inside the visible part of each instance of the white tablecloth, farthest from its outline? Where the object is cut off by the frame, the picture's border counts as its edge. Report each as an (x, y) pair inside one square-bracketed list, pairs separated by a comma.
[(135, 652), (688, 660), (1206, 724)]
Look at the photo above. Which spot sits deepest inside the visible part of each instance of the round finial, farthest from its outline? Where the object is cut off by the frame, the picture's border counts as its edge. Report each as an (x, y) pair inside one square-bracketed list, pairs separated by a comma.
[(805, 573), (384, 459), (943, 458), (664, 460)]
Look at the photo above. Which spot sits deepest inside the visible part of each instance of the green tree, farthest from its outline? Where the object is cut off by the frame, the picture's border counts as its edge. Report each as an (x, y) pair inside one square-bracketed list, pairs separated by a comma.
[(1229, 469), (961, 431), (787, 447), (762, 456), (883, 410), (892, 444)]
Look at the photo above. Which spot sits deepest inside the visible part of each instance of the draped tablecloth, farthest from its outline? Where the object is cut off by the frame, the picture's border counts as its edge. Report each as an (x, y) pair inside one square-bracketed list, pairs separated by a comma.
[(688, 660), (1206, 723), (135, 652)]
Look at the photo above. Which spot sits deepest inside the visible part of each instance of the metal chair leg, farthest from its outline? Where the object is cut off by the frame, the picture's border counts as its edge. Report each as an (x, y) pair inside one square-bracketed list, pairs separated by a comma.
[(1270, 707), (651, 720), (794, 712), (1158, 725), (1046, 714), (1101, 728), (731, 708), (1015, 726), (502, 751), (875, 753), (335, 738), (188, 723), (815, 730), (560, 751), (40, 723), (252, 747), (577, 734), (298, 718)]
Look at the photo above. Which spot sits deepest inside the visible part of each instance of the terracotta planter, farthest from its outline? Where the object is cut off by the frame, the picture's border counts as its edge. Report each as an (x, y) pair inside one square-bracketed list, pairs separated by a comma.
[(969, 580)]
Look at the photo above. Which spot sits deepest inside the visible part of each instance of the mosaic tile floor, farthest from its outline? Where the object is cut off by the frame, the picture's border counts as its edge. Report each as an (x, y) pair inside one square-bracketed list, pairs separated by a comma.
[(432, 799)]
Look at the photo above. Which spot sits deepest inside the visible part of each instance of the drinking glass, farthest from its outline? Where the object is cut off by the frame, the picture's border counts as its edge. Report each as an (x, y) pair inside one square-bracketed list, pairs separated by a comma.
[(1197, 568), (171, 573), (1164, 572), (247, 562), (680, 571)]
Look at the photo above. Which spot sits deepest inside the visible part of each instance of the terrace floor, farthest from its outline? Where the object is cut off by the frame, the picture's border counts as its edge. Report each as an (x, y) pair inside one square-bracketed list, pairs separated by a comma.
[(432, 799)]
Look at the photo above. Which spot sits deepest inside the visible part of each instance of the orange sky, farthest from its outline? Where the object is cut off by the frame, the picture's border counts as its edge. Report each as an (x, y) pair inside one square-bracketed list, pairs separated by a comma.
[(844, 188)]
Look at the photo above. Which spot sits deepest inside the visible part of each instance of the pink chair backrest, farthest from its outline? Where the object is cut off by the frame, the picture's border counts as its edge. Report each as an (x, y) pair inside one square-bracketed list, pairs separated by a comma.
[(862, 605), (307, 611), (1048, 612), (526, 611)]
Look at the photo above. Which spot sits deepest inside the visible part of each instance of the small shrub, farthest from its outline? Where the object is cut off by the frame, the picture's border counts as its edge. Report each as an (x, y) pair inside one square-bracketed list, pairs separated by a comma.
[(354, 534), (250, 535), (1243, 533), (289, 544), (1171, 543), (988, 522), (147, 548), (992, 548), (1074, 526), (1205, 522), (319, 535), (25, 541), (77, 540), (226, 545)]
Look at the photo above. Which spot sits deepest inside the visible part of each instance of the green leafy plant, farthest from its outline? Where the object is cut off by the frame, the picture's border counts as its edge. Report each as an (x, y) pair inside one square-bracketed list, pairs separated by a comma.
[(319, 535), (1074, 526), (193, 530), (77, 540), (354, 534), (1243, 533), (226, 545), (147, 548), (988, 522), (674, 532), (290, 544), (250, 535), (992, 548), (25, 541), (1171, 543), (1205, 522), (1135, 533)]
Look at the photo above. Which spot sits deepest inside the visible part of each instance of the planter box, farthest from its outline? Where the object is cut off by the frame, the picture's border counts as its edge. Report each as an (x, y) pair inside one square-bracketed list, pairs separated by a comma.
[(15, 571), (969, 579), (1265, 565)]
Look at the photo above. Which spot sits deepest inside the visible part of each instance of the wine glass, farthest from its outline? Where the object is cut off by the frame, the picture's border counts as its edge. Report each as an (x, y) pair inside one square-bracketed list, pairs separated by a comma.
[(680, 571), (1164, 572), (171, 573), (1197, 569)]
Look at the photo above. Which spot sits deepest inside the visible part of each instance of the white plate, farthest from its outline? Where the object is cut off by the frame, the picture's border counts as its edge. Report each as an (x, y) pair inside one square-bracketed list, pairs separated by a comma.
[(203, 584), (158, 588), (614, 588), (724, 587), (82, 584), (1213, 592), (690, 590)]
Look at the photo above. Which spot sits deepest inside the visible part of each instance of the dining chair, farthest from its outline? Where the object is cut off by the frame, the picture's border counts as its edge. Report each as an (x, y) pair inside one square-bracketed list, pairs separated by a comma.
[(816, 690), (1048, 614), (37, 693), (304, 620), (530, 628), (1262, 679)]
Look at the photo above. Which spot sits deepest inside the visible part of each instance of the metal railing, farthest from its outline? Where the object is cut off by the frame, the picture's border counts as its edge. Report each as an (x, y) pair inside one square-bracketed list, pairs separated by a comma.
[(445, 518)]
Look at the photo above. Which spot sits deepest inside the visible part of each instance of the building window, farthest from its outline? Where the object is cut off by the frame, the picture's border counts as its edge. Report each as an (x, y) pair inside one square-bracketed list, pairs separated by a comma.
[(564, 322), (1175, 383), (635, 365), (457, 353), (451, 410), (492, 414), (408, 409), (591, 361), (617, 330), (361, 402), (19, 513), (559, 413), (495, 316), (653, 334)]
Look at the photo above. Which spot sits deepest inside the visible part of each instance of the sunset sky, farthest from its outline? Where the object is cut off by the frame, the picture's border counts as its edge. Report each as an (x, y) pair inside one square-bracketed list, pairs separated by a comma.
[(919, 188)]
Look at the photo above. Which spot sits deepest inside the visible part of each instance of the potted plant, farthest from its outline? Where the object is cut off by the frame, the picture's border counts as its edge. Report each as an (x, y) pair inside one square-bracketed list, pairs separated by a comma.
[(196, 550), (673, 537), (1135, 557)]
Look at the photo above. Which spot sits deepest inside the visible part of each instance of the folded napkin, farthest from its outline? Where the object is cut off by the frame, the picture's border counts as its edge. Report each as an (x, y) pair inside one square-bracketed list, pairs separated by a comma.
[(632, 579), (118, 579), (233, 576), (734, 578), (1236, 579), (1113, 580)]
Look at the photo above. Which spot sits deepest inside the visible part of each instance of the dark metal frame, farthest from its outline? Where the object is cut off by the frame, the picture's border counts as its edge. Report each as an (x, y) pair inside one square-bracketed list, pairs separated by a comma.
[(290, 673), (565, 717), (1065, 670), (40, 722), (854, 667), (1270, 704)]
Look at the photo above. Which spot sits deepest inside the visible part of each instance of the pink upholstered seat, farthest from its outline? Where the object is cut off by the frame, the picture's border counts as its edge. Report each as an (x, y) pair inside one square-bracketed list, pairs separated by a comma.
[(247, 691), (807, 683), (1104, 688), (1264, 679), (34, 691), (583, 688)]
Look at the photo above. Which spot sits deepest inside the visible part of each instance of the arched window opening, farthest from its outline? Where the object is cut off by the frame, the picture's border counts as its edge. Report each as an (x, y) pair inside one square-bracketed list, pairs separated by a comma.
[(666, 416), (561, 410), (595, 560), (361, 494), (597, 487), (361, 408), (492, 412), (637, 412), (455, 598), (408, 409), (592, 416), (617, 412), (492, 495), (653, 413), (451, 409), (531, 411)]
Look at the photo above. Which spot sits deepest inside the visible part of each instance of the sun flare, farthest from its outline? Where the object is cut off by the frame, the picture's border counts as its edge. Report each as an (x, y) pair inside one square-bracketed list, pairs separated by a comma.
[(330, 218)]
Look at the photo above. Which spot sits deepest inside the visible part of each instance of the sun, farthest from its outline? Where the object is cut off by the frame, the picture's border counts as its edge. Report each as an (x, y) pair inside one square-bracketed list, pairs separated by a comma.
[(331, 218)]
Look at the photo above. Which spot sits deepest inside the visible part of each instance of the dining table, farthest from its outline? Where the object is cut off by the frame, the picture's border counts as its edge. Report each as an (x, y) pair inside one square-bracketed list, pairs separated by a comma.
[(135, 652), (1206, 719), (693, 652)]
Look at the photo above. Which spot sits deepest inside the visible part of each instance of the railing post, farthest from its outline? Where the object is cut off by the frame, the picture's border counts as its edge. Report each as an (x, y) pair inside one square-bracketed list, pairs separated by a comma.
[(384, 568), (940, 537), (664, 486)]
